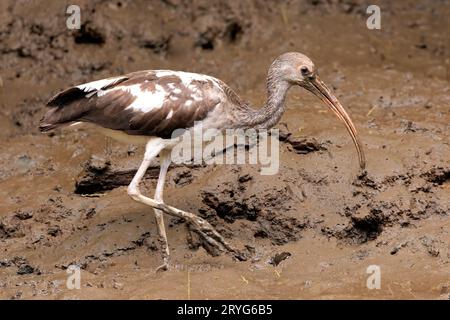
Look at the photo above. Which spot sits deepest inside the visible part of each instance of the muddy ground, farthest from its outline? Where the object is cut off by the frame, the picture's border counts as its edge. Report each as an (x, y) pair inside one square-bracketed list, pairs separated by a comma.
[(60, 208)]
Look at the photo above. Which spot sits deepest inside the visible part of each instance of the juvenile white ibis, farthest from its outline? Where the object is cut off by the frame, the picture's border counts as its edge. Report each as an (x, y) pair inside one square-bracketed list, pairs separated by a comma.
[(147, 106)]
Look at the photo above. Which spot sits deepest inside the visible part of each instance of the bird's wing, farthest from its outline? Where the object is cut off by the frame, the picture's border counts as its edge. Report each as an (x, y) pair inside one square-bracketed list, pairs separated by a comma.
[(153, 103)]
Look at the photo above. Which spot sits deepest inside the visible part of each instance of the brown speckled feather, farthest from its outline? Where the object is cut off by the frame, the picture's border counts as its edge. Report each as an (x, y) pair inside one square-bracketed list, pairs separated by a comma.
[(150, 103)]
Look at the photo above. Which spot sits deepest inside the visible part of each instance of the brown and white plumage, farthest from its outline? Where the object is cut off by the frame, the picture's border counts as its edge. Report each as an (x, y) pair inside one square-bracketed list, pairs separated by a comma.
[(153, 104), (146, 103)]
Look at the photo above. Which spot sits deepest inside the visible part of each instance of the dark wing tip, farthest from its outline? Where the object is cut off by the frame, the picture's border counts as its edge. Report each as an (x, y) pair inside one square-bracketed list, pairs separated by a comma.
[(67, 96), (74, 93)]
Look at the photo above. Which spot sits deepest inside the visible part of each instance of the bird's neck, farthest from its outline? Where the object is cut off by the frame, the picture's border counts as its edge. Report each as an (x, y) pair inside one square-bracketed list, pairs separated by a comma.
[(269, 115)]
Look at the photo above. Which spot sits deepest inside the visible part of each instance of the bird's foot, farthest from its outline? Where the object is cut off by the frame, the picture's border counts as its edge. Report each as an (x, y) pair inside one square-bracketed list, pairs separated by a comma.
[(202, 228), (214, 238), (163, 267)]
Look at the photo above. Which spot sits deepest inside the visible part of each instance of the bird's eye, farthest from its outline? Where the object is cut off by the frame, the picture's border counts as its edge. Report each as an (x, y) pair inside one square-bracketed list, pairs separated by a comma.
[(304, 70)]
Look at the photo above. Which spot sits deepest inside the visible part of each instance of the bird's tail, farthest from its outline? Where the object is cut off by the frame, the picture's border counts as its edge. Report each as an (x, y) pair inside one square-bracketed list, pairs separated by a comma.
[(73, 104), (51, 121), (65, 108), (45, 127)]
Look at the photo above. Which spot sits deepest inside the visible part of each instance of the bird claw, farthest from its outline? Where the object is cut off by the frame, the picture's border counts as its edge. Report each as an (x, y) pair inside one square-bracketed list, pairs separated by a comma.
[(163, 267), (203, 228), (213, 238)]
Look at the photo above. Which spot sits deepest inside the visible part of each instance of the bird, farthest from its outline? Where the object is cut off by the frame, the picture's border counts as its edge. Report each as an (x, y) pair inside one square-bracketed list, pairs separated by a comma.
[(146, 107)]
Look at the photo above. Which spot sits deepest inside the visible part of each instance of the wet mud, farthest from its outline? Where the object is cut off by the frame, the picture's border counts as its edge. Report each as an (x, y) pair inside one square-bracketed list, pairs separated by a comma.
[(310, 231)]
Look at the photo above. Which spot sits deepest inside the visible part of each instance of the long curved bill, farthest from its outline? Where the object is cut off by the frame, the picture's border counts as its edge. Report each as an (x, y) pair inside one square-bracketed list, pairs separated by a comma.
[(321, 90)]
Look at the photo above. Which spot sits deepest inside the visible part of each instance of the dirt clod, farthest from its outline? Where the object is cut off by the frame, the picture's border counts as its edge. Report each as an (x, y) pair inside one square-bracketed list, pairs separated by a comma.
[(278, 258)]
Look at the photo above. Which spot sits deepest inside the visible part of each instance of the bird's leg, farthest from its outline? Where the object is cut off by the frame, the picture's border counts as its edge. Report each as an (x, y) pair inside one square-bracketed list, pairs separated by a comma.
[(201, 226), (164, 166)]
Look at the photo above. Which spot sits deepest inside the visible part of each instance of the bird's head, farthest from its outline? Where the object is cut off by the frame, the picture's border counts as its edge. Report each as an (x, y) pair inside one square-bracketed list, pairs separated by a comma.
[(295, 68)]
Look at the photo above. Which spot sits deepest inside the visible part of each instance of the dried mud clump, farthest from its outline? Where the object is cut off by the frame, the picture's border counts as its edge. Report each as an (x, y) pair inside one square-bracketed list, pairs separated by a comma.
[(22, 265), (100, 176), (301, 145), (438, 175), (11, 227), (364, 229), (157, 46), (361, 227), (279, 257), (89, 34), (280, 230), (211, 33), (368, 219), (267, 212), (231, 209)]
